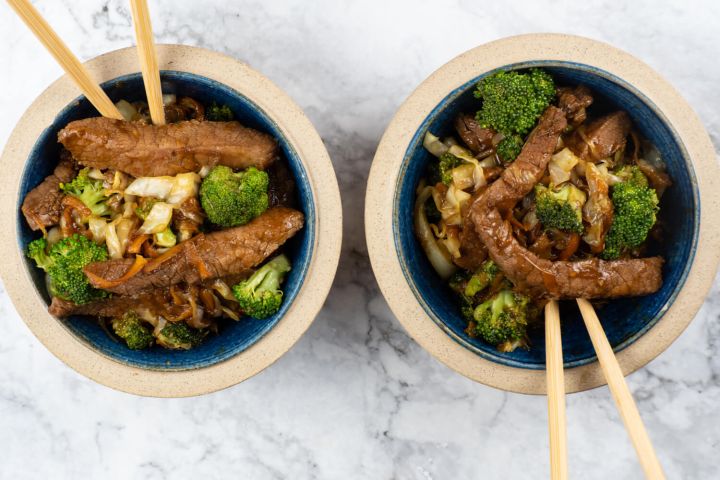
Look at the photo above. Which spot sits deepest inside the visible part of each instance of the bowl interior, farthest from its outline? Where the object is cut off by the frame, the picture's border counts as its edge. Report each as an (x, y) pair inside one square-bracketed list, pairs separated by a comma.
[(624, 320), (234, 336)]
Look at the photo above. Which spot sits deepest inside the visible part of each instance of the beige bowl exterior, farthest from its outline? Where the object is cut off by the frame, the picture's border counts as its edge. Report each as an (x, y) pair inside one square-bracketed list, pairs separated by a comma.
[(328, 235), (384, 176)]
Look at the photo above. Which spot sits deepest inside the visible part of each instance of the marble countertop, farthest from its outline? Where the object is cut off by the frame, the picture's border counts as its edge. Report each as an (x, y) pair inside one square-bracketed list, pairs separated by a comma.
[(356, 398)]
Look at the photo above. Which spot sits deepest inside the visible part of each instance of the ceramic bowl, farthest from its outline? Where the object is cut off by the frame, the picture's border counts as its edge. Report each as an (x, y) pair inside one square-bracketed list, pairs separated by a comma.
[(242, 348), (638, 328)]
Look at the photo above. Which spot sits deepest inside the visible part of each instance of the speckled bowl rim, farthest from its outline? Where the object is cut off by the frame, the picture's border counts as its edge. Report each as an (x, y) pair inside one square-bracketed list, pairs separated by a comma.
[(299, 132), (380, 197)]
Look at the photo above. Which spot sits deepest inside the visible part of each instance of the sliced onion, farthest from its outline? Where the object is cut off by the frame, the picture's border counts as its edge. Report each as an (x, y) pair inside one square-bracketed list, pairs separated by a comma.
[(224, 290)]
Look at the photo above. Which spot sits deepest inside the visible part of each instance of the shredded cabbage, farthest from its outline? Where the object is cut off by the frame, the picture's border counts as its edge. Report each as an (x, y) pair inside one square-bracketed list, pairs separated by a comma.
[(465, 155), (560, 166), (126, 110), (158, 219), (174, 190), (433, 145), (439, 258)]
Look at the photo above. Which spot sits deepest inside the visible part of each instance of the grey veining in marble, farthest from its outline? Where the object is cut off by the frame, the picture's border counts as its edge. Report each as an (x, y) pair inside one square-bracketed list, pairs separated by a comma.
[(356, 398)]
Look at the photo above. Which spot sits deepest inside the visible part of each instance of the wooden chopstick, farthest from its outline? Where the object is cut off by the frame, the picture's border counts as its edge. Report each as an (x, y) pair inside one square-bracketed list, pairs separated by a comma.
[(555, 393), (621, 393), (148, 60), (69, 62)]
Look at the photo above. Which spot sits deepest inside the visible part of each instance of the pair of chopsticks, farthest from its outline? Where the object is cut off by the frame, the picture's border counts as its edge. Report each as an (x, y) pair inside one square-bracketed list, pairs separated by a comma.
[(77, 71), (615, 380)]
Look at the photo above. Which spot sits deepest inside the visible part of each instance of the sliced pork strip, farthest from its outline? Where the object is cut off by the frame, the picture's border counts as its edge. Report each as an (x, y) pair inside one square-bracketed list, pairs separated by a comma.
[(601, 138), (538, 277), (213, 255), (153, 150), (43, 204)]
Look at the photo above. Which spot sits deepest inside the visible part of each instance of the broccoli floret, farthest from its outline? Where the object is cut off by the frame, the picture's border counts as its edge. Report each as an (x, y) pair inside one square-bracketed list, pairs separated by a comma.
[(37, 250), (502, 320), (180, 336), (260, 295), (509, 148), (560, 209), (64, 264), (636, 207), (144, 207), (481, 279), (512, 104), (136, 333), (230, 199), (447, 162), (513, 101), (633, 175), (90, 192), (219, 113)]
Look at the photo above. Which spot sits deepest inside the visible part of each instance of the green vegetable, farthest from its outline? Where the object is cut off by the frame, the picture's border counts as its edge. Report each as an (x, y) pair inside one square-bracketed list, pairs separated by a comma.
[(144, 207), (180, 336), (481, 279), (502, 320), (219, 113), (633, 175), (89, 191), (636, 207), (509, 148), (560, 209), (64, 264), (230, 198), (166, 238), (136, 333), (260, 295), (512, 104), (447, 162)]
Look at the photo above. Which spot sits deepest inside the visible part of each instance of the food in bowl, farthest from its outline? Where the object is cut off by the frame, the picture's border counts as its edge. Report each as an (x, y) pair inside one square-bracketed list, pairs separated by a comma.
[(539, 196), (164, 232)]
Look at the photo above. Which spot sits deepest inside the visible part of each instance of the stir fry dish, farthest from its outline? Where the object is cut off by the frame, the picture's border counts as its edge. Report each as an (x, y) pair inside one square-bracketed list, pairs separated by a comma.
[(164, 232), (538, 198)]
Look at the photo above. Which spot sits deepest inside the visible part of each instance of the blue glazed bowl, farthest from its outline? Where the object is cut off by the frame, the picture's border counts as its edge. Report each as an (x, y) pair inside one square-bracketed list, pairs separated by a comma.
[(234, 337), (624, 320)]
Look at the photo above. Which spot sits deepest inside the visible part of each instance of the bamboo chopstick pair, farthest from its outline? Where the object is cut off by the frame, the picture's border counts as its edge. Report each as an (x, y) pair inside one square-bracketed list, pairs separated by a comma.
[(77, 71), (615, 379), (555, 382)]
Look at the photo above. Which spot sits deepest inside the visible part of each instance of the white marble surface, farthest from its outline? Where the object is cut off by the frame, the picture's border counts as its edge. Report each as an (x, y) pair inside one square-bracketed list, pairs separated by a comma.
[(356, 398)]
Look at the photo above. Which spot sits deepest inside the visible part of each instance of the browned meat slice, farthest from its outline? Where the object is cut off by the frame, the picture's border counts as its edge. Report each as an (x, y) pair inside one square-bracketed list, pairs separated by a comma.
[(43, 204), (520, 177), (214, 255), (158, 301), (153, 150), (592, 278), (574, 101), (601, 138), (472, 249), (539, 277), (477, 138)]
